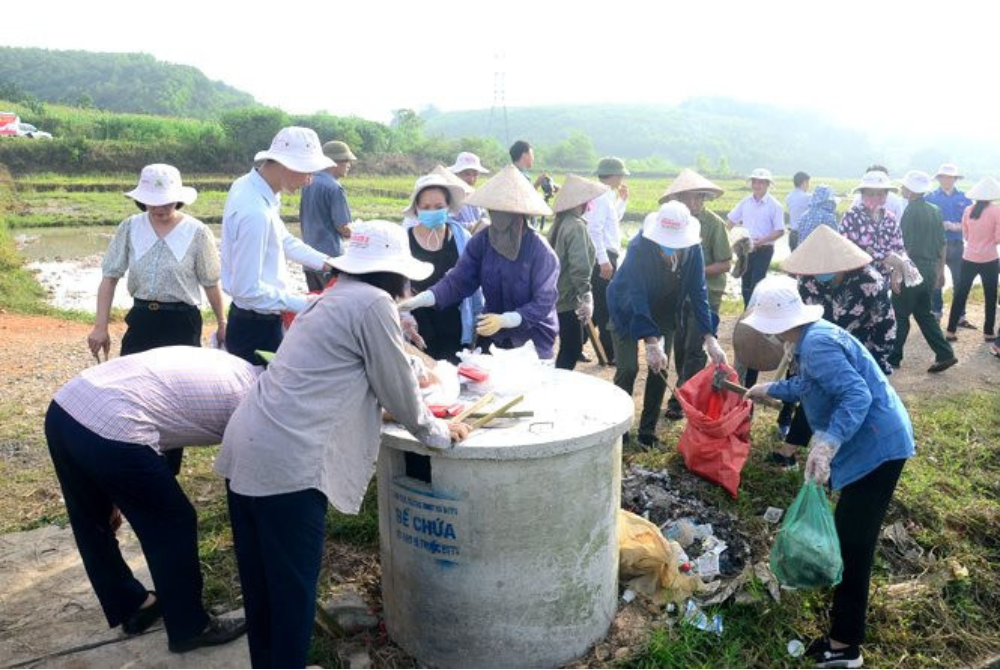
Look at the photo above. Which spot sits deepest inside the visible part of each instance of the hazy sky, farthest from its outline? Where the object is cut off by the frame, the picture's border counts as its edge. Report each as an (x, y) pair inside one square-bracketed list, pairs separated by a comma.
[(913, 67)]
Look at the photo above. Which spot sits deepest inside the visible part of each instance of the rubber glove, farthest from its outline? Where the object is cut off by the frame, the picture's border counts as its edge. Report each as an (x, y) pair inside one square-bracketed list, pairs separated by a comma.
[(715, 350), (758, 391), (586, 309), (410, 331), (822, 449), (656, 358), (491, 324), (422, 299)]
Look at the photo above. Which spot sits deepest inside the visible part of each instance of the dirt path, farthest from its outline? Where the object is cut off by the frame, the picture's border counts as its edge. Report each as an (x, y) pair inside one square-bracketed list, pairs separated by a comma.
[(42, 353)]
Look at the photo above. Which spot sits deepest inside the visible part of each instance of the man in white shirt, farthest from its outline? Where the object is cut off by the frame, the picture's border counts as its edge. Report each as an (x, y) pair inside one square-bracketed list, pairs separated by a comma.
[(762, 216), (604, 225), (255, 242)]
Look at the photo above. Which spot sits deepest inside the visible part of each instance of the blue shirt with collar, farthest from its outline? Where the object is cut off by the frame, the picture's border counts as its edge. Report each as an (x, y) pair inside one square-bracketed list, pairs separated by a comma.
[(323, 211), (952, 208), (847, 396)]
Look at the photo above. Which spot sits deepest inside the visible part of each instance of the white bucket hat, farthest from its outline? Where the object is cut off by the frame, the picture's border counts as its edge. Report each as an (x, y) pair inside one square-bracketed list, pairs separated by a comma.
[(468, 161), (949, 170), (298, 149), (380, 246), (778, 307), (876, 180), (160, 184), (456, 192), (986, 188), (672, 226), (917, 182), (761, 173)]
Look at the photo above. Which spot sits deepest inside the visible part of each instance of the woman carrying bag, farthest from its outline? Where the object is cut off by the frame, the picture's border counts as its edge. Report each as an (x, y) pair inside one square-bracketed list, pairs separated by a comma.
[(862, 438)]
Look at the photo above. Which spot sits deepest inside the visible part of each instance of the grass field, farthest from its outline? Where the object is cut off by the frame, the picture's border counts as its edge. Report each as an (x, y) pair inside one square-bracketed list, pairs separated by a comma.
[(57, 200)]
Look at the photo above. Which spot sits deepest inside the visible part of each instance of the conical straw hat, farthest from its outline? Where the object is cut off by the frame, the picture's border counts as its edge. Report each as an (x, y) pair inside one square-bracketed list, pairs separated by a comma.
[(986, 188), (689, 180), (825, 251), (753, 348), (510, 191), (576, 191)]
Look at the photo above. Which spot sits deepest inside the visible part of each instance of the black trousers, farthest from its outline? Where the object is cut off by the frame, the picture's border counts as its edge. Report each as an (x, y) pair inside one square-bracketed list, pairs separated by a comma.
[(757, 266), (858, 518), (178, 324), (987, 272), (249, 331), (96, 474), (602, 316), (279, 550), (570, 340)]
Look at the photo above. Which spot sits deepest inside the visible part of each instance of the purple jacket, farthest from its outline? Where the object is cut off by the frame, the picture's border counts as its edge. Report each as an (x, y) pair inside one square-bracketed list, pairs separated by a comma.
[(527, 286)]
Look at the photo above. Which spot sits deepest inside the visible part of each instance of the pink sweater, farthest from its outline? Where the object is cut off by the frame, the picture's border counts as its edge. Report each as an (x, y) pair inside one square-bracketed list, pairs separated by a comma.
[(981, 235)]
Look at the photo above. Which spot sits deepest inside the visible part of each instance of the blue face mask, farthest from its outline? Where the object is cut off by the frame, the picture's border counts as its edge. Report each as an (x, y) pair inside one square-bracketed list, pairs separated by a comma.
[(667, 251), (826, 278), (433, 218)]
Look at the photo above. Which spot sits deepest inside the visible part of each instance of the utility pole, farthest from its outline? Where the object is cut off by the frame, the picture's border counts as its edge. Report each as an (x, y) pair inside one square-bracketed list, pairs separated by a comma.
[(499, 102)]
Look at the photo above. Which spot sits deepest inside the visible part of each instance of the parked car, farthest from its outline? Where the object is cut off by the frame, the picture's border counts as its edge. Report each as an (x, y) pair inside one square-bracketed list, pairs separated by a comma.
[(28, 130), (9, 122)]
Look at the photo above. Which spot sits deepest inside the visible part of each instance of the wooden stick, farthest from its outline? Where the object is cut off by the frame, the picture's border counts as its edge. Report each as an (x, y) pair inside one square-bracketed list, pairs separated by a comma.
[(479, 404), (595, 341), (516, 414), (479, 423)]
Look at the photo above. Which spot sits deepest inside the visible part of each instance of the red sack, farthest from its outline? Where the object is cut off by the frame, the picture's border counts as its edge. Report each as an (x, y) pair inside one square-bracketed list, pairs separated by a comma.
[(716, 442)]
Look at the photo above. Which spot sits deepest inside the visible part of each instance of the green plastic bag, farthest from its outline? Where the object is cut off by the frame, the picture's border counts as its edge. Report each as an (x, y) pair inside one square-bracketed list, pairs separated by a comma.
[(806, 553)]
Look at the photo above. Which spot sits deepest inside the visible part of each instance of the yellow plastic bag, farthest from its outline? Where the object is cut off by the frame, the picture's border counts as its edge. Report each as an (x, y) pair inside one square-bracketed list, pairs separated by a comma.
[(649, 561)]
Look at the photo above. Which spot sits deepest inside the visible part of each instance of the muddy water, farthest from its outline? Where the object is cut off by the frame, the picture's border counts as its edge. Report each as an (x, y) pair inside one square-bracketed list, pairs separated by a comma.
[(67, 263)]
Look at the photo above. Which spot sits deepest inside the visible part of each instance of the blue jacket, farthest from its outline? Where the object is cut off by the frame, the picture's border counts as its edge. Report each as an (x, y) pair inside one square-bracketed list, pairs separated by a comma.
[(847, 396), (473, 305), (640, 283)]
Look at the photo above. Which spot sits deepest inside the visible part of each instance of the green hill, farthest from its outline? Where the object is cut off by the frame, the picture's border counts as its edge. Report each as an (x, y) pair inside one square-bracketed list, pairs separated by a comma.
[(130, 82), (701, 129)]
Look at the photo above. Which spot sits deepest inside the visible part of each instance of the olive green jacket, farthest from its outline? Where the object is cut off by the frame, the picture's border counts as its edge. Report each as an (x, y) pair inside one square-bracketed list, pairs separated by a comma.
[(576, 253)]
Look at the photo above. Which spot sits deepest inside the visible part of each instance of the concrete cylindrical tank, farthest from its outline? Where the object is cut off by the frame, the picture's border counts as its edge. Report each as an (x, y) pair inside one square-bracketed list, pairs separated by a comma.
[(503, 552)]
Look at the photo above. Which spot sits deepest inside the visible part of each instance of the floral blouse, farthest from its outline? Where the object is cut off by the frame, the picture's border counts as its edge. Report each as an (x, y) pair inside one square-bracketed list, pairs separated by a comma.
[(878, 238), (169, 269), (860, 304)]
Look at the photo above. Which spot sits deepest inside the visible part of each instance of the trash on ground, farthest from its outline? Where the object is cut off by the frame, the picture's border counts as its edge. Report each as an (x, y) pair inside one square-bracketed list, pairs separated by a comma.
[(694, 616), (795, 648), (649, 561), (773, 514)]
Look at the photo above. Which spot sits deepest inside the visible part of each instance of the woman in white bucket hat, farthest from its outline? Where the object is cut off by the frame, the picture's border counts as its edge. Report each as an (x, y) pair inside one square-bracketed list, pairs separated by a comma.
[(862, 439), (439, 239), (663, 267), (255, 242), (836, 274), (981, 230), (308, 433), (170, 257), (869, 224)]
